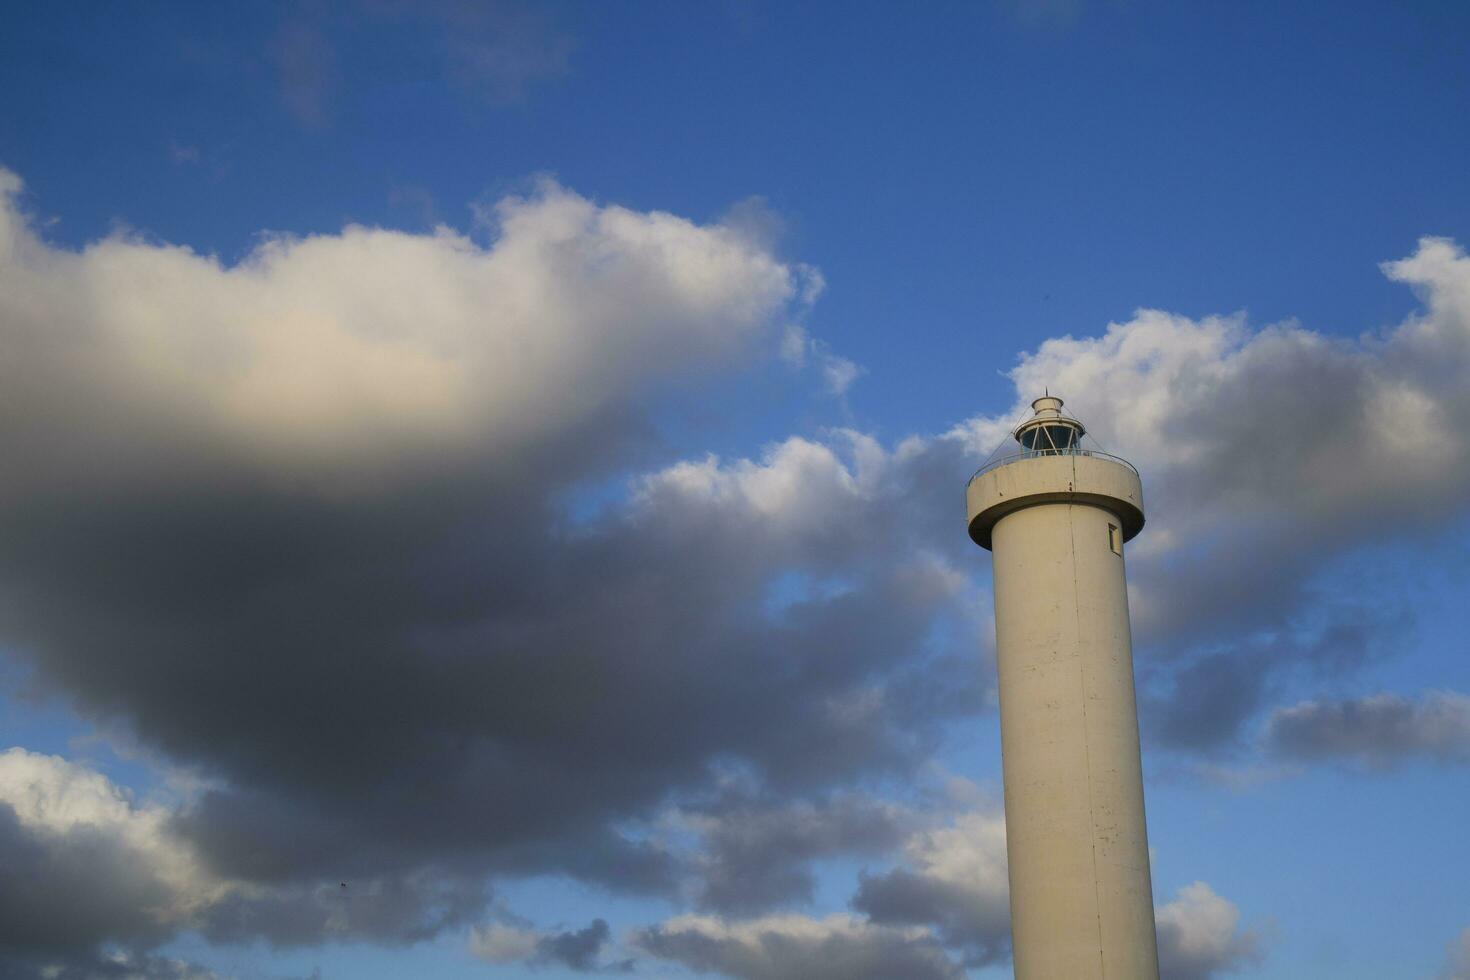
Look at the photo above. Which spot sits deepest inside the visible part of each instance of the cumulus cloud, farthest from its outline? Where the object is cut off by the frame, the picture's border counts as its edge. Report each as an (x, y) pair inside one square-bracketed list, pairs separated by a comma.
[(579, 949), (84, 863), (87, 867), (372, 349), (1200, 936), (1379, 730), (755, 855), (954, 880), (794, 947), (92, 878), (942, 910), (298, 522)]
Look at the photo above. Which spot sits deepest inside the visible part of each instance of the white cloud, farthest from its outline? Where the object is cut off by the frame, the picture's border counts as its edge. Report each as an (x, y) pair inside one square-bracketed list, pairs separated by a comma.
[(838, 373), (798, 349), (53, 798), (1228, 422), (1200, 936), (970, 853), (797, 483), (499, 943), (374, 348)]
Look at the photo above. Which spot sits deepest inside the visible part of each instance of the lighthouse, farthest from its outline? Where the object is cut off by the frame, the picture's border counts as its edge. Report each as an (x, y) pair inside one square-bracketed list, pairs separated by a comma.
[(1056, 517)]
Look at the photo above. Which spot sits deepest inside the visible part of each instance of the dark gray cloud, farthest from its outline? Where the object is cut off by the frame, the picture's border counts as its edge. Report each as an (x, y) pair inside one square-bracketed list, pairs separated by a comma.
[(77, 888), (1380, 730), (1202, 702), (756, 855), (980, 930), (954, 883), (581, 949), (1208, 700), (390, 909)]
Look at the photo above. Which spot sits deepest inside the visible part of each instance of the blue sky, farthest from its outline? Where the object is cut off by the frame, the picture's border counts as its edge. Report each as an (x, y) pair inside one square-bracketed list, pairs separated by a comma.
[(500, 454)]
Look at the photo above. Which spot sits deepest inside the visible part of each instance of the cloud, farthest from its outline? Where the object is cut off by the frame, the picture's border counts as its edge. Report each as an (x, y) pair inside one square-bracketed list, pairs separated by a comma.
[(1379, 730), (837, 373), (1457, 958), (838, 947), (299, 523), (1200, 936), (501, 943), (116, 965), (943, 908), (84, 863), (579, 949), (955, 881), (756, 855), (367, 349), (88, 867), (85, 868)]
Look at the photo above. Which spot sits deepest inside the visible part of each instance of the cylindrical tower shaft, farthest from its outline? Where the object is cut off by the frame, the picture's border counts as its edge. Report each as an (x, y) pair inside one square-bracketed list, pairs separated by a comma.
[(1081, 895), (1077, 843)]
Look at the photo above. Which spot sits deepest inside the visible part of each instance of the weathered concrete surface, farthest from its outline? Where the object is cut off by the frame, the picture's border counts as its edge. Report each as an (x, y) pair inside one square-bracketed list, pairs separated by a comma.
[(1064, 478), (1076, 837)]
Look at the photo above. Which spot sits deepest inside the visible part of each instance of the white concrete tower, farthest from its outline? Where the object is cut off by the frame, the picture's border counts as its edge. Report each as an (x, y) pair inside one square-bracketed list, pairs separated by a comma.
[(1055, 517)]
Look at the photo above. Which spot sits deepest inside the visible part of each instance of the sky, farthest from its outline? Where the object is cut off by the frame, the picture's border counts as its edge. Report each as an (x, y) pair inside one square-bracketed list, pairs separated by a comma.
[(483, 487)]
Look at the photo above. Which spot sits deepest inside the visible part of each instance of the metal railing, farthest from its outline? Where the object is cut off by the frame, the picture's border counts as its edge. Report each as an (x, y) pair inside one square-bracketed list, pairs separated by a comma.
[(1035, 453)]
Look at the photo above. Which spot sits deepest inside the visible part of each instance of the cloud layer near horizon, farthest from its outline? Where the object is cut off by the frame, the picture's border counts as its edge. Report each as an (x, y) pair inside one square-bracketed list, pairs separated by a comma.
[(299, 526)]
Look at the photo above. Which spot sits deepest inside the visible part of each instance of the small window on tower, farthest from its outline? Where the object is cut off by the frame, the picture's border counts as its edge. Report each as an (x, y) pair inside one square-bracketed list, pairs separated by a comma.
[(1115, 539)]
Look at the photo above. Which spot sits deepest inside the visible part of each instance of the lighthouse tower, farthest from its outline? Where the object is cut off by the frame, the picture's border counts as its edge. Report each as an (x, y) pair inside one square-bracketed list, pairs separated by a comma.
[(1055, 518)]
